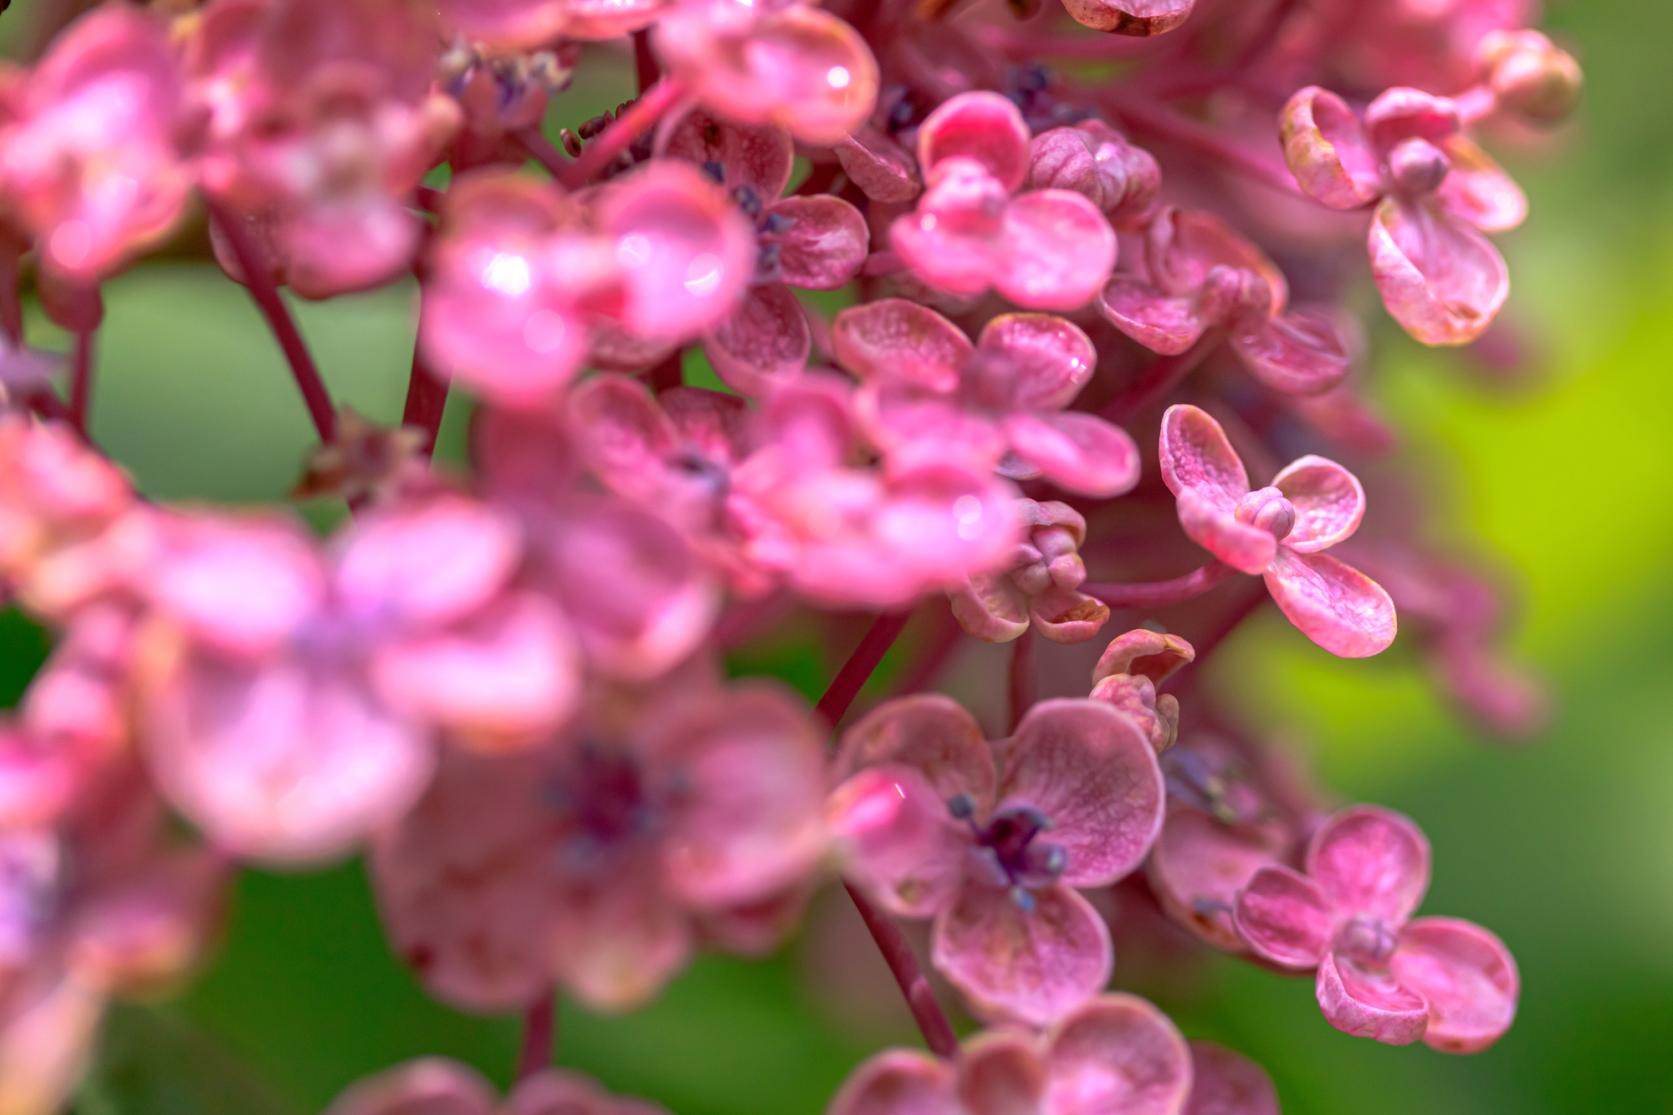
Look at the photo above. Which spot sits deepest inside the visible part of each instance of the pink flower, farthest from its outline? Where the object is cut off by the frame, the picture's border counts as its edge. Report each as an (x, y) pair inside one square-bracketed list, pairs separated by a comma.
[(510, 26), (809, 243), (90, 162), (1045, 249), (1381, 974), (1114, 1055), (1141, 18), (1227, 1083), (995, 841), (1041, 586), (604, 858), (927, 392), (433, 1086), (1435, 193), (1127, 675), (1279, 532), (1093, 159), (1199, 275)]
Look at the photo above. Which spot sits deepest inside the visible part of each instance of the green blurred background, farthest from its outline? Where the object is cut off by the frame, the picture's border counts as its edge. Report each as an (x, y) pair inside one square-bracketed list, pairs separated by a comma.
[(1565, 846)]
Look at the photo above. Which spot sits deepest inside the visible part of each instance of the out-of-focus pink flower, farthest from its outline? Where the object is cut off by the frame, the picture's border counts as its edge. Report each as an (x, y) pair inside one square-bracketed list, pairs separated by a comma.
[(516, 25), (1381, 974), (1227, 1083), (1044, 249), (928, 393), (1113, 1054), (1279, 532), (809, 243), (1127, 675), (1041, 586), (599, 859), (1200, 274), (90, 157), (1435, 193), (995, 841), (776, 62), (433, 1086)]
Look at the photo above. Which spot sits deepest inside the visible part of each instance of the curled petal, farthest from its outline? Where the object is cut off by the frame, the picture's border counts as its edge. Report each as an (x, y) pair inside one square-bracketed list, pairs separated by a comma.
[(1369, 1004), (1371, 861), (764, 342), (1284, 917), (981, 126), (1466, 975), (1297, 353), (879, 166), (757, 156), (1328, 151), (898, 1082), (897, 837), (893, 340), (1332, 603), (1048, 359), (1440, 278), (427, 1087), (1094, 775), (1328, 499), (1117, 1053), (1193, 252), (1064, 616), (1078, 452), (1058, 251), (929, 732), (824, 246), (991, 608), (1140, 18), (1227, 1083), (1030, 966), (1144, 653), (1195, 454), (1477, 189), (1238, 544), (1197, 869), (1161, 323)]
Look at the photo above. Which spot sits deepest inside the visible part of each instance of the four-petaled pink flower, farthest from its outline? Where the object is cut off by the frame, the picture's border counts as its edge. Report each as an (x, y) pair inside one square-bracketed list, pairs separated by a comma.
[(1435, 193), (1199, 274), (928, 393), (994, 841), (1041, 585), (1279, 532), (1128, 672), (1381, 974), (1045, 249), (809, 243), (433, 1086)]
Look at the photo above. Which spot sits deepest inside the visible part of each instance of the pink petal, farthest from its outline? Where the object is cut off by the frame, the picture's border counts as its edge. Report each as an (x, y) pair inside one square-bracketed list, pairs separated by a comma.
[(1195, 454), (1372, 862), (746, 820), (1297, 353), (507, 24), (1368, 1004), (1001, 1073), (1332, 603), (1192, 252), (1328, 499), (825, 244), (427, 1087), (954, 241), (764, 342), (622, 433), (946, 522), (1095, 160), (898, 839), (1047, 359), (1197, 868), (879, 166), (49, 1023), (427, 562), (1058, 251), (1161, 323), (349, 245), (1139, 18), (898, 1082), (1093, 774), (1478, 190), (1284, 917), (1227, 1083), (1031, 966), (618, 940), (893, 340), (1328, 151), (759, 156), (991, 608), (1065, 616), (909, 426), (1078, 452), (1238, 544), (1468, 978), (1402, 112), (557, 1092), (1117, 1054), (983, 127), (1144, 653), (1440, 278), (929, 732), (597, 20)]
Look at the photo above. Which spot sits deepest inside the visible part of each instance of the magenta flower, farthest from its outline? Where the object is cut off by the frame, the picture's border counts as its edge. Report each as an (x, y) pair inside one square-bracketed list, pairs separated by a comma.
[(807, 243), (927, 392), (1435, 193), (1041, 586), (1045, 249), (602, 859), (1227, 1083), (1279, 532), (1202, 275), (1127, 675), (1114, 1055), (1096, 161), (1381, 974), (90, 162), (433, 1086), (995, 841)]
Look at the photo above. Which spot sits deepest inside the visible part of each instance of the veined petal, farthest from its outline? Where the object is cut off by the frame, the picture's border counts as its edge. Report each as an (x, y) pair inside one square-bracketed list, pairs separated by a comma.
[(1056, 253), (1466, 975), (1048, 359), (1284, 917), (1078, 452), (1369, 1004), (1328, 150), (1117, 1053), (1332, 603), (898, 1082), (1162, 323), (764, 342), (1138, 18), (931, 733), (1371, 861), (825, 243), (1238, 544), (896, 836), (900, 341), (1328, 499), (1195, 454), (1440, 278)]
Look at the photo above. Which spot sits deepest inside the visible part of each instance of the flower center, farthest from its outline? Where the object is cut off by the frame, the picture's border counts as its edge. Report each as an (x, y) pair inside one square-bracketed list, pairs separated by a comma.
[(1367, 941), (1268, 510), (32, 876), (1007, 853), (606, 801)]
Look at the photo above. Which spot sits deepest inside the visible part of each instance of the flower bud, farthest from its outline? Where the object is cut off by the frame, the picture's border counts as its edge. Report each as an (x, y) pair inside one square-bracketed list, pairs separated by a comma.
[(1417, 166), (1269, 510), (1529, 74)]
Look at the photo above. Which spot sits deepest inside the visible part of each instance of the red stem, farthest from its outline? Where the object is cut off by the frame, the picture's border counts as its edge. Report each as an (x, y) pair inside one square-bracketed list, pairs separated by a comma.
[(426, 402), (11, 308), (932, 659), (646, 68), (855, 672), (1161, 594), (638, 118), (540, 149), (81, 379), (1159, 378), (259, 282), (540, 1023), (1230, 622), (1021, 680)]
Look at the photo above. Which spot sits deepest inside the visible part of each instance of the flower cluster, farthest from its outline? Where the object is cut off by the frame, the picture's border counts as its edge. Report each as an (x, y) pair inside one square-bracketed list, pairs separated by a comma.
[(1057, 315)]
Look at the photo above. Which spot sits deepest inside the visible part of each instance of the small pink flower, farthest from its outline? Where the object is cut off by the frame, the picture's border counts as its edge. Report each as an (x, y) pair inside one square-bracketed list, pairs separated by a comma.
[(806, 243), (995, 841), (1045, 249), (1113, 1055), (1279, 532), (90, 161), (433, 1086), (1141, 18), (927, 392), (1041, 586), (1381, 974), (600, 859), (1127, 675), (1093, 159), (1435, 193), (1200, 274)]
